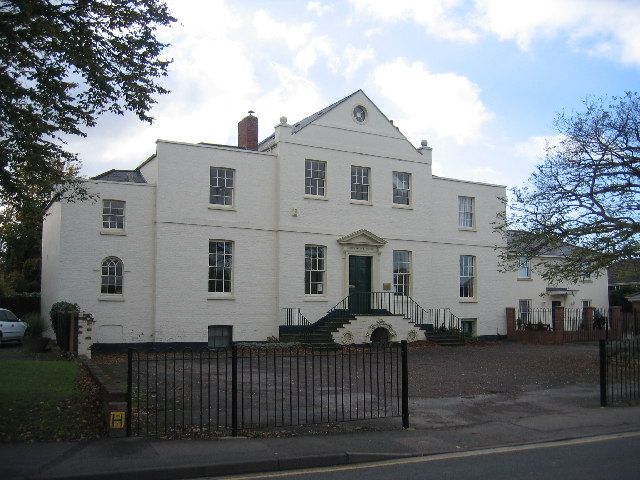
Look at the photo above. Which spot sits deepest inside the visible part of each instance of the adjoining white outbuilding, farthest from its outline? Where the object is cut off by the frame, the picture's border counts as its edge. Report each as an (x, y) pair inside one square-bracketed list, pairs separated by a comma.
[(213, 243)]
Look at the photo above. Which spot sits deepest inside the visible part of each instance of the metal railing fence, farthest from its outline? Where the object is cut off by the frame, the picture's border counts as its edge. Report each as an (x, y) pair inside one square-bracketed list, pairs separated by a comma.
[(189, 392), (619, 371)]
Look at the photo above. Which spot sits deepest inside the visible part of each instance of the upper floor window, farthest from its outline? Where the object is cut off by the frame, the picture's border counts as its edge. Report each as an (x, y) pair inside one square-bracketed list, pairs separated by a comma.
[(315, 177), (402, 272), (586, 303), (360, 183), (111, 276), (221, 185), (467, 276), (465, 212), (220, 266), (401, 188), (524, 268), (314, 269), (113, 214)]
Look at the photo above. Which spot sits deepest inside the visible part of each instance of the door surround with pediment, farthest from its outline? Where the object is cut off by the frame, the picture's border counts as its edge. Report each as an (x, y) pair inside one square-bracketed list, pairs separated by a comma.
[(366, 244)]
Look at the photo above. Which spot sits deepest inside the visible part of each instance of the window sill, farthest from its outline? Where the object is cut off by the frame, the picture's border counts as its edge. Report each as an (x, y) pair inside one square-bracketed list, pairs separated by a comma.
[(468, 300), (404, 207), (586, 281), (316, 197), (316, 299), (111, 298), (361, 202), (213, 296), (223, 207), (467, 229), (112, 231), (525, 279)]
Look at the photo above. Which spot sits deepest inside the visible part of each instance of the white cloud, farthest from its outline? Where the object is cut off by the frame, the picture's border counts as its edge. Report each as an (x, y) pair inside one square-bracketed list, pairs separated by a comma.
[(606, 29), (602, 28), (438, 17), (533, 149), (294, 36), (308, 55), (444, 105), (319, 8), (295, 97), (213, 82), (355, 58)]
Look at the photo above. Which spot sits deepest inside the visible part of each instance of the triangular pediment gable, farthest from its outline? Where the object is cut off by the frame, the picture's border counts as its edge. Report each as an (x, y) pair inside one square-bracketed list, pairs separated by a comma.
[(362, 237)]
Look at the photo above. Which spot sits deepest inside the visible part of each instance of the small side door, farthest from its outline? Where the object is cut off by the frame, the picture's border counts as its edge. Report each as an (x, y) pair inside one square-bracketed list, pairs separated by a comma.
[(554, 304)]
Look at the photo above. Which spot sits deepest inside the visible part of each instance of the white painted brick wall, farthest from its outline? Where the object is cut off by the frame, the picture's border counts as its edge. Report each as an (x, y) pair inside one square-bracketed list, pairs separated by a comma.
[(165, 251), (82, 250)]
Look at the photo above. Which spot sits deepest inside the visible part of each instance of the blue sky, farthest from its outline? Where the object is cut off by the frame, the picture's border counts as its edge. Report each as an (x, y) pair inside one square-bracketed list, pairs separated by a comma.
[(480, 80)]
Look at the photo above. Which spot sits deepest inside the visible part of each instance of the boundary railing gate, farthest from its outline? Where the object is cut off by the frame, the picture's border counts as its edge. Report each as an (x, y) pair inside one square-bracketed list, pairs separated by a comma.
[(620, 371), (192, 392)]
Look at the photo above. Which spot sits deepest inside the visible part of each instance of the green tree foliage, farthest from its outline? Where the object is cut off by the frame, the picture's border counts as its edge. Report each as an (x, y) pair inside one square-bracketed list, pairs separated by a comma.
[(62, 65), (585, 193)]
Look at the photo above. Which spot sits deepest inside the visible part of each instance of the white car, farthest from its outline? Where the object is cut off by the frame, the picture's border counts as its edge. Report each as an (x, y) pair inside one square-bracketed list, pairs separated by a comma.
[(11, 327)]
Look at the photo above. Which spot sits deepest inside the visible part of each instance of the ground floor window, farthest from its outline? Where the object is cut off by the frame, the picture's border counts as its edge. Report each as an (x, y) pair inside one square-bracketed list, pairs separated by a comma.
[(314, 269), (402, 272), (524, 310), (220, 336), (111, 280), (467, 276), (220, 266)]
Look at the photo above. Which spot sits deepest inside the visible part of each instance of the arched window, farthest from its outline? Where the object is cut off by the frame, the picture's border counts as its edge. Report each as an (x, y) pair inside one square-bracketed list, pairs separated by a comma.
[(111, 276)]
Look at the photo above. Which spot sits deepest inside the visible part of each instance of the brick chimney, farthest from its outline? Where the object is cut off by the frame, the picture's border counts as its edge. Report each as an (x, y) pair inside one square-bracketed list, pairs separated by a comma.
[(248, 132)]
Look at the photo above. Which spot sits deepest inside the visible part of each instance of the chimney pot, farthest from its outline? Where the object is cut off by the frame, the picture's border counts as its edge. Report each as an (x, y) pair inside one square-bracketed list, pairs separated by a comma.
[(248, 132)]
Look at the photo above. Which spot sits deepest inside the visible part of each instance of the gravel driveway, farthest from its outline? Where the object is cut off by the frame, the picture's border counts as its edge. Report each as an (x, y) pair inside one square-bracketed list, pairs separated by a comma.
[(498, 367)]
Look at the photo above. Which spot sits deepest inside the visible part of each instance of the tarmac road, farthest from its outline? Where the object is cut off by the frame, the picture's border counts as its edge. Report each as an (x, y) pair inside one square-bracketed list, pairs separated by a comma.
[(604, 457)]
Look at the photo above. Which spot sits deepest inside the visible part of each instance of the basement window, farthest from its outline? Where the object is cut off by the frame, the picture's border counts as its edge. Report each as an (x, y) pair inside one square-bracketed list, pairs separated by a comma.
[(220, 336)]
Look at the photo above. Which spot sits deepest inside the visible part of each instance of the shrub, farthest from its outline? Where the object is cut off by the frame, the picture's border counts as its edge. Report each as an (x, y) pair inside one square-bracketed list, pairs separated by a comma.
[(35, 325), (60, 308)]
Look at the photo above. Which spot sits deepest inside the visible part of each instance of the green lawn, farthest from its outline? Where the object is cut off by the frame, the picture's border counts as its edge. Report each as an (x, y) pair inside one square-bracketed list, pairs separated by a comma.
[(46, 400)]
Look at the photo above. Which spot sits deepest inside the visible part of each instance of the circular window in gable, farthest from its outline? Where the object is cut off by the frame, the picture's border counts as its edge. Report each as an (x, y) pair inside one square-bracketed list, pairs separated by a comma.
[(359, 114)]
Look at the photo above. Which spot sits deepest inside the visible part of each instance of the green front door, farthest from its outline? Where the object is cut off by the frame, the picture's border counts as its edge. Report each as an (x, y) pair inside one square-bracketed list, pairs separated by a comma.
[(359, 284)]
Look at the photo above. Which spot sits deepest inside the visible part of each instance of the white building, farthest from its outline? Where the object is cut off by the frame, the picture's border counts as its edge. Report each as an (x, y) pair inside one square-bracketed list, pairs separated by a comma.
[(201, 236)]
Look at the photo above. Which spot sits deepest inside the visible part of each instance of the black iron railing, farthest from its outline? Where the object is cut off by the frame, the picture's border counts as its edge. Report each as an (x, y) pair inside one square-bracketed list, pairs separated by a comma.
[(372, 303), (191, 393), (619, 371), (535, 319), (629, 324), (293, 317), (586, 325)]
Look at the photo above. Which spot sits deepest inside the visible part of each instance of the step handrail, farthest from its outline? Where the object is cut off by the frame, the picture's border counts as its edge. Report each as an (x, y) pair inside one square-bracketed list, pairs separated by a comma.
[(294, 317), (442, 319)]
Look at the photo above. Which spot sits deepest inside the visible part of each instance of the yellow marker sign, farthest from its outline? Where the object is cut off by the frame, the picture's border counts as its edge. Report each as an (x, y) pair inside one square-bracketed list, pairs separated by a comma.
[(116, 420)]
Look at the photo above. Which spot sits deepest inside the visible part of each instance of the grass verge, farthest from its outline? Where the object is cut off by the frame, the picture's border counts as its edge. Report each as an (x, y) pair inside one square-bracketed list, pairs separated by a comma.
[(47, 401)]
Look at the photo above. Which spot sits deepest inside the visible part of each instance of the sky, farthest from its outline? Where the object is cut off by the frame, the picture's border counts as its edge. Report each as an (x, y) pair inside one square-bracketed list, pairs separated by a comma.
[(480, 80)]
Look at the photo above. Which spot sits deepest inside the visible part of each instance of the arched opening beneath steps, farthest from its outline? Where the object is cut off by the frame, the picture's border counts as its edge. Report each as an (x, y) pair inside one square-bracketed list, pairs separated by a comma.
[(380, 335)]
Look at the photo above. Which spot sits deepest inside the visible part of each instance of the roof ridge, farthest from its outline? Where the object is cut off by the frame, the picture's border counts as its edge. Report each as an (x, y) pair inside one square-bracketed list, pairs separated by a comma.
[(299, 125)]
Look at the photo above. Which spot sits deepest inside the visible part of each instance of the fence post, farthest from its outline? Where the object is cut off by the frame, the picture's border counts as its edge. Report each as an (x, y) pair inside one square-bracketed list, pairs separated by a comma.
[(511, 322), (616, 322), (234, 390), (129, 390), (603, 373), (405, 385), (558, 324)]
